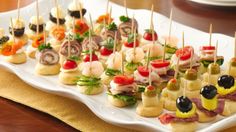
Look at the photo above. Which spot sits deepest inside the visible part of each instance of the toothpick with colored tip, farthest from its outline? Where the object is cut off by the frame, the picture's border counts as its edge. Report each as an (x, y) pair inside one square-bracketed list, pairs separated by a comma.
[(210, 33), (12, 30), (170, 25), (126, 11), (215, 53), (80, 11), (18, 10)]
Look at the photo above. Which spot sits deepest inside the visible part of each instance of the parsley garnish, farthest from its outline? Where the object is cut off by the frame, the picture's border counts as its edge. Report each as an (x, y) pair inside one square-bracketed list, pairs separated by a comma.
[(112, 27), (124, 18), (44, 46)]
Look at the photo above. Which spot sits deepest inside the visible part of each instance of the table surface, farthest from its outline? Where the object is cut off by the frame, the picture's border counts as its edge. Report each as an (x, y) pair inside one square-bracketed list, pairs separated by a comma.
[(199, 17)]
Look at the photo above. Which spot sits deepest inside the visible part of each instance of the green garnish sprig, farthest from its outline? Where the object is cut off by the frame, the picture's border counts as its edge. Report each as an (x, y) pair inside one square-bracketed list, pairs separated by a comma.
[(44, 46)]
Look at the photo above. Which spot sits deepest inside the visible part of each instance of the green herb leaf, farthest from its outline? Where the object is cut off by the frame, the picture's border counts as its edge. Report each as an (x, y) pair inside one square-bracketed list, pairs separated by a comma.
[(130, 100), (44, 46), (132, 66), (79, 37), (112, 72), (124, 18), (74, 58), (112, 26), (109, 43)]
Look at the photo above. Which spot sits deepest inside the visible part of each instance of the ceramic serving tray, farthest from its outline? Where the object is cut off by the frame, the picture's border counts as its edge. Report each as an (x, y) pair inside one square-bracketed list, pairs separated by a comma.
[(125, 117)]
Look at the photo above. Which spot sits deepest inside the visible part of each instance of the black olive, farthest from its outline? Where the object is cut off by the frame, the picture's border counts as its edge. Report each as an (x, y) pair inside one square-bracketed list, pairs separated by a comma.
[(184, 104), (54, 19), (208, 91), (76, 14), (17, 32), (4, 39), (226, 81), (33, 27)]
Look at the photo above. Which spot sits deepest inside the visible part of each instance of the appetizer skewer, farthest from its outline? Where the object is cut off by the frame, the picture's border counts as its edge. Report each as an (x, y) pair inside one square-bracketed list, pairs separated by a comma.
[(13, 50), (231, 70), (18, 27)]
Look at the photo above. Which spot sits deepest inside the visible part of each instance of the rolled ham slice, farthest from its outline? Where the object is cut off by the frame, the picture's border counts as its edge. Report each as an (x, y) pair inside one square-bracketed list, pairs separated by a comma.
[(75, 48), (96, 40), (126, 27), (231, 96), (48, 57), (111, 34)]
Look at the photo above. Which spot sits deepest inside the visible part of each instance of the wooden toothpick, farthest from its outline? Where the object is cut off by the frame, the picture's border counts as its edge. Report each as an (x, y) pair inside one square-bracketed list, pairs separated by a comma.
[(73, 27), (80, 11), (91, 22), (134, 46), (57, 11), (109, 20), (170, 26), (37, 13), (108, 1), (69, 46), (183, 42), (44, 35), (148, 58), (12, 30), (122, 64), (115, 40), (90, 47), (210, 33), (132, 25), (177, 68), (149, 77), (151, 22), (153, 34), (126, 11), (215, 52), (191, 59), (18, 10), (164, 53)]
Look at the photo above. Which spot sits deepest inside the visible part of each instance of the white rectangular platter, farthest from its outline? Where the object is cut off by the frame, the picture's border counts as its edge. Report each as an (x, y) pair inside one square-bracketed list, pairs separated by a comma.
[(125, 117)]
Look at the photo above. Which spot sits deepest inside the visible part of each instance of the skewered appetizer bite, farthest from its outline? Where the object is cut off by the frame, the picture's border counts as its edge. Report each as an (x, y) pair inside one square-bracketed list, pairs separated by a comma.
[(207, 57), (171, 45), (73, 11), (231, 69), (162, 68), (130, 43), (74, 50), (102, 22), (192, 82), (114, 63), (156, 50), (148, 37), (19, 30), (187, 57), (90, 82), (69, 72), (170, 94), (31, 49), (134, 59), (32, 33), (13, 50), (214, 71), (47, 60), (226, 89), (56, 13), (58, 36), (141, 78), (208, 106), (106, 49), (121, 92), (185, 116), (150, 106), (125, 27), (95, 42)]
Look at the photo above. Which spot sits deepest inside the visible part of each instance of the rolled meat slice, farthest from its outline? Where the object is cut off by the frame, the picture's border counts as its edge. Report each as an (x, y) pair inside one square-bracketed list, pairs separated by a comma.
[(75, 48), (95, 44), (126, 27), (111, 34), (48, 57)]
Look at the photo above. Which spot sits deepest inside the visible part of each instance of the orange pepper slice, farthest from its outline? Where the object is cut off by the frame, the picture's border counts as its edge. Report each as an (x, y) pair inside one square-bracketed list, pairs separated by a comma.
[(37, 41), (80, 27), (104, 17), (58, 32)]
